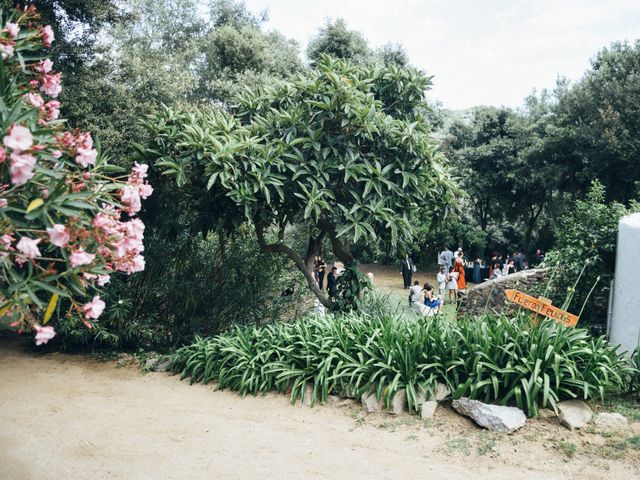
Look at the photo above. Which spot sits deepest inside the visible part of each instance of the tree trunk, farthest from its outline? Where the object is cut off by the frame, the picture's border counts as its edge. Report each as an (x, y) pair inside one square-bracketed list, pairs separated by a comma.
[(299, 261)]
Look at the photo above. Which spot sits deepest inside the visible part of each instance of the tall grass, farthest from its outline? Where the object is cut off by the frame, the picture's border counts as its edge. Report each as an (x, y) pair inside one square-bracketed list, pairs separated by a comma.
[(492, 358)]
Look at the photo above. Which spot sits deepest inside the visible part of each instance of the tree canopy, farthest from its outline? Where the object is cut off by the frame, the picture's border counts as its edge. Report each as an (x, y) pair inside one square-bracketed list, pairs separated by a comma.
[(342, 149)]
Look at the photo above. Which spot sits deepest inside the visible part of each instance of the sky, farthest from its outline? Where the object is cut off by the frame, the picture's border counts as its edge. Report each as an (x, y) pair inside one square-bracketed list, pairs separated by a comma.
[(481, 52)]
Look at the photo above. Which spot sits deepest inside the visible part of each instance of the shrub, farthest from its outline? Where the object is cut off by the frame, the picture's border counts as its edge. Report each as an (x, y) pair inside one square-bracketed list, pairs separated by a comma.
[(66, 221), (494, 359), (585, 249), (193, 286)]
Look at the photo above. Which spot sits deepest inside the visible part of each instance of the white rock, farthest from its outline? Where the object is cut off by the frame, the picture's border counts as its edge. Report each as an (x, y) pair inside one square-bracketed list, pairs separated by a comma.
[(163, 366), (439, 394), (151, 363), (399, 402), (370, 403), (308, 394), (442, 392), (493, 417), (574, 414), (610, 421), (428, 409)]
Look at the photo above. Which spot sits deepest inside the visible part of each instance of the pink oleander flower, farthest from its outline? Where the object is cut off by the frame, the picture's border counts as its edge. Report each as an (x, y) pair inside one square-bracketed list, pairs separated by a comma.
[(103, 280), (3, 155), (86, 157), (137, 264), (47, 36), (130, 196), (58, 235), (80, 257), (5, 244), (44, 66), (6, 51), (22, 165), (84, 140), (50, 111), (3, 202), (34, 99), (18, 138), (29, 247), (12, 29), (56, 153), (140, 169), (94, 308), (145, 190), (43, 334), (51, 84)]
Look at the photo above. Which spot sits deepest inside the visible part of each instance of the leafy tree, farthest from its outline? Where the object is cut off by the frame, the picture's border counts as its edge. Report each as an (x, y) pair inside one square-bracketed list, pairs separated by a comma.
[(336, 40), (598, 125), (342, 149)]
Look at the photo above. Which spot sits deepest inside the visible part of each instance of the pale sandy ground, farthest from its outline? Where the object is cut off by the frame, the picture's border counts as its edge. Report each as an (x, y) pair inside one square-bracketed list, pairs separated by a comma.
[(72, 417)]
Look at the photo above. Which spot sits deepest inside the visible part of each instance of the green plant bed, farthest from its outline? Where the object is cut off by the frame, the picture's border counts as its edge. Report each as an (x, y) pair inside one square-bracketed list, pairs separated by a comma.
[(493, 359)]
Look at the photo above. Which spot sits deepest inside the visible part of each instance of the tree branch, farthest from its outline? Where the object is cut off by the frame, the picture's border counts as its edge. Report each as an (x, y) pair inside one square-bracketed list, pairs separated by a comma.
[(299, 261)]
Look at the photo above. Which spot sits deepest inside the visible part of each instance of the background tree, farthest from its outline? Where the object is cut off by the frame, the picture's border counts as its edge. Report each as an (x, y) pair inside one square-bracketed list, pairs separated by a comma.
[(342, 150), (336, 40), (599, 128)]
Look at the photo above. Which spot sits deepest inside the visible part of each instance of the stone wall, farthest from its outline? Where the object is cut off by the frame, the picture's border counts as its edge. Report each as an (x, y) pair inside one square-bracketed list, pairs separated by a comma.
[(489, 296)]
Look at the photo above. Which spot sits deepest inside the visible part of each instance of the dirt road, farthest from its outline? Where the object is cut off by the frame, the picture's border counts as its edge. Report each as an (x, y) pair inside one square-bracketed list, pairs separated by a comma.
[(68, 417)]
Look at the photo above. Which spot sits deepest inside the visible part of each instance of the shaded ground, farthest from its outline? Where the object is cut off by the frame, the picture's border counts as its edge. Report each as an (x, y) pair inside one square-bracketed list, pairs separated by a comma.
[(70, 417)]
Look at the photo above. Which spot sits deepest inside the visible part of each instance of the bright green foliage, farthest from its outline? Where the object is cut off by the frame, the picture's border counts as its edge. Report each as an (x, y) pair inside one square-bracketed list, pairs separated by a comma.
[(343, 148), (493, 359), (598, 127), (586, 239)]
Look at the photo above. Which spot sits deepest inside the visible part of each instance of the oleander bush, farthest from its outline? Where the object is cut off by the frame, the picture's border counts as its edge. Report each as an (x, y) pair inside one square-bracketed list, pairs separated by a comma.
[(68, 216), (492, 358)]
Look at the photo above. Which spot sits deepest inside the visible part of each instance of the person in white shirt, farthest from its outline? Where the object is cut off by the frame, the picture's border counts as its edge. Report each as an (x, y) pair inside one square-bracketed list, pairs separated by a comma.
[(497, 272), (452, 285), (441, 277), (415, 292)]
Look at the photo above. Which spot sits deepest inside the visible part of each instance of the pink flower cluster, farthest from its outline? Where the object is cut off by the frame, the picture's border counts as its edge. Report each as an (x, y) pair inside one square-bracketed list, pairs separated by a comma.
[(80, 146), (121, 242), (92, 246), (19, 139), (136, 189)]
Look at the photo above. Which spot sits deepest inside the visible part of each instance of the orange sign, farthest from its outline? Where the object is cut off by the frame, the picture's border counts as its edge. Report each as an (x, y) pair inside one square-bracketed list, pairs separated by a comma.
[(539, 306)]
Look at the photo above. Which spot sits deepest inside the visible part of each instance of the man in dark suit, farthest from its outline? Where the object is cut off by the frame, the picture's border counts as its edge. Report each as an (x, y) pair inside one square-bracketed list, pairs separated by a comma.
[(332, 282), (406, 269)]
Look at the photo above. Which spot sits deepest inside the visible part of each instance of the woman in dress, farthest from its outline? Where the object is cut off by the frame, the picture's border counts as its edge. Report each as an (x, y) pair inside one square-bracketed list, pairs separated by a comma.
[(452, 285), (430, 300), (459, 269)]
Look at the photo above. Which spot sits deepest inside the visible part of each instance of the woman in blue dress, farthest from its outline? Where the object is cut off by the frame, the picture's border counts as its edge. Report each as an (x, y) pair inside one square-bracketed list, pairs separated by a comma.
[(430, 300), (477, 277)]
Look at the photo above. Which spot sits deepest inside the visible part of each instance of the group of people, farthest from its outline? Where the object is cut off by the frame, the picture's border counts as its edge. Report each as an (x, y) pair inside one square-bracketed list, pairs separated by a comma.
[(319, 270), (451, 276), (501, 266)]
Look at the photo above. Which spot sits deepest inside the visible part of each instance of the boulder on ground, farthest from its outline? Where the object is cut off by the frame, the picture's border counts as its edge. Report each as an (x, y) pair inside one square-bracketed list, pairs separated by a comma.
[(151, 363), (493, 417), (610, 421), (308, 394), (370, 403), (399, 402), (163, 366), (440, 392), (574, 414), (125, 359), (428, 409)]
